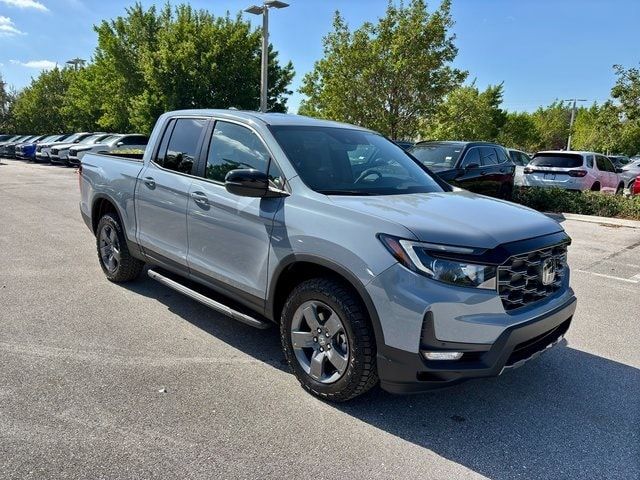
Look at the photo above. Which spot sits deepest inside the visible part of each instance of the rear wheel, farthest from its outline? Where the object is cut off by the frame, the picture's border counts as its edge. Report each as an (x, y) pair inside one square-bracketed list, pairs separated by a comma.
[(595, 187), (115, 259), (328, 340), (620, 189)]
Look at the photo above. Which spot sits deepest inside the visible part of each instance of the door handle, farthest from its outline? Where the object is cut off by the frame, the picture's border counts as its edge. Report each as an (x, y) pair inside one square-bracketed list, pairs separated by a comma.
[(150, 182), (200, 198), (483, 173)]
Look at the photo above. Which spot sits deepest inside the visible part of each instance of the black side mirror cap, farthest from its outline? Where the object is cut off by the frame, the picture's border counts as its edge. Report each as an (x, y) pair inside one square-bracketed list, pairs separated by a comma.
[(247, 182), (471, 166)]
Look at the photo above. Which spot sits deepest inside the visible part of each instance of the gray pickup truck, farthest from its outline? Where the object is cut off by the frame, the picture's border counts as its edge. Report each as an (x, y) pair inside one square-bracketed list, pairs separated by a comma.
[(374, 268)]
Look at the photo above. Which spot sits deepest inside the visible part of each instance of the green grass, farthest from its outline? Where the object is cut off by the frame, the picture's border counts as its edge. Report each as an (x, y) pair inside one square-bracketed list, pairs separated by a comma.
[(585, 203)]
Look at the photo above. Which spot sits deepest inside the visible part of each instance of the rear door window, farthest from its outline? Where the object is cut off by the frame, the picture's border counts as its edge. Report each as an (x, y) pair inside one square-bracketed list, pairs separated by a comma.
[(502, 155), (181, 149), (557, 160), (488, 156)]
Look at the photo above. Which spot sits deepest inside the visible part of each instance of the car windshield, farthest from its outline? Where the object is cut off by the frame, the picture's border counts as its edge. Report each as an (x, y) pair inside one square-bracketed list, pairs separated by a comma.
[(93, 138), (72, 138), (437, 156), (558, 160), (343, 161)]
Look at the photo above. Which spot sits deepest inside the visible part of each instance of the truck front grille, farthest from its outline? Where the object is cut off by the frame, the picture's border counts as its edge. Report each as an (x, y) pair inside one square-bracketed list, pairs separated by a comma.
[(526, 278), (53, 151)]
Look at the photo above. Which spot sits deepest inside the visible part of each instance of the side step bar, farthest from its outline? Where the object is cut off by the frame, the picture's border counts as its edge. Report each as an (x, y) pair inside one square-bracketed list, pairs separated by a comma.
[(209, 302)]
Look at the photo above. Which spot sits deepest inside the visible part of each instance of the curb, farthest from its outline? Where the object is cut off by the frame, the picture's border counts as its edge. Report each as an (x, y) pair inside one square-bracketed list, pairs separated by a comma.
[(614, 222)]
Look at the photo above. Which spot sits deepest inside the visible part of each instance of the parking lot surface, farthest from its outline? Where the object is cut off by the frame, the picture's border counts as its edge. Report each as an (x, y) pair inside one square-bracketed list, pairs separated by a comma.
[(99, 380)]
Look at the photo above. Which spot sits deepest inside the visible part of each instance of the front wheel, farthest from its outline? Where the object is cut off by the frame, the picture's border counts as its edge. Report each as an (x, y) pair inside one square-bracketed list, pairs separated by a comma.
[(115, 259), (328, 340)]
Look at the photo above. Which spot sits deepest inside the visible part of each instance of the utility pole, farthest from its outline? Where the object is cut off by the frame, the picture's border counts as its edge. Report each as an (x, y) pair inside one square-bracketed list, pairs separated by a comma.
[(264, 11), (573, 117)]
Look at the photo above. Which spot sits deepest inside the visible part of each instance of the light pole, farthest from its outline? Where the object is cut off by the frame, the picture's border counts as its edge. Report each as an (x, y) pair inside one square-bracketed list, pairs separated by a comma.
[(76, 62), (264, 11), (573, 117)]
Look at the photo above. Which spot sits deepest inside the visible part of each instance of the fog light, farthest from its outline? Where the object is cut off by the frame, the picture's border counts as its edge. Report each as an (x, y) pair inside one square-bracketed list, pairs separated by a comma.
[(442, 355)]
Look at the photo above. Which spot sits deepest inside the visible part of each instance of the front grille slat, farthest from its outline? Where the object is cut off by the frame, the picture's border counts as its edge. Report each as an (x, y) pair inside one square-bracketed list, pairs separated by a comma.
[(520, 277)]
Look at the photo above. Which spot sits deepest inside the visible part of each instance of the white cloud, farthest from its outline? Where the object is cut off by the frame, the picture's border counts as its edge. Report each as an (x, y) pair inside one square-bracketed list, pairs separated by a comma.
[(39, 64), (7, 28), (26, 4)]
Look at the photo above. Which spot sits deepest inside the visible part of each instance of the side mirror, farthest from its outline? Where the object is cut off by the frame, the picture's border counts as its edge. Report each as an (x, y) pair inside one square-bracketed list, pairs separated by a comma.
[(471, 166), (247, 182), (119, 144), (619, 170)]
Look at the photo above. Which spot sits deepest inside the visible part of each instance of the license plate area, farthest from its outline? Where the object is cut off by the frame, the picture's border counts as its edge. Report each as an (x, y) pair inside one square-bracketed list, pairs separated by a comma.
[(549, 176)]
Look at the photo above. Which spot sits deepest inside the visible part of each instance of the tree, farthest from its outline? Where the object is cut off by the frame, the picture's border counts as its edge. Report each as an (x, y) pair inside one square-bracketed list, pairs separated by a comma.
[(468, 114), (38, 107), (385, 76), (519, 131), (552, 125), (7, 99), (627, 91), (148, 62)]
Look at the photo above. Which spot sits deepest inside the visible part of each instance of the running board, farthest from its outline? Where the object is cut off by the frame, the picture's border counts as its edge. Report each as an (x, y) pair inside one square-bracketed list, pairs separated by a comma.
[(209, 302)]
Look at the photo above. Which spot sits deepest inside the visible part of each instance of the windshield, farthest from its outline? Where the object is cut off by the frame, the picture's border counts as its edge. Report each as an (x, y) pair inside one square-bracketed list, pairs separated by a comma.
[(93, 138), (341, 161), (72, 138), (437, 156), (559, 160)]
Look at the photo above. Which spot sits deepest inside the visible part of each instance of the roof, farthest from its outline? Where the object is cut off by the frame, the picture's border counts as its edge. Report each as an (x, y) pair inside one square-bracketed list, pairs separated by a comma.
[(576, 152), (454, 143), (267, 118)]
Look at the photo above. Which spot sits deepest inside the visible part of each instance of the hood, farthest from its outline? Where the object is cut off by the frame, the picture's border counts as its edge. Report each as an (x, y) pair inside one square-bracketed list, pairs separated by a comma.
[(456, 218)]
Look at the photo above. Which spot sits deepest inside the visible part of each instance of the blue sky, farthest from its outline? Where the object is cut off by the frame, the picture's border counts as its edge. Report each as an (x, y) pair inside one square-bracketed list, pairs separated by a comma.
[(540, 49)]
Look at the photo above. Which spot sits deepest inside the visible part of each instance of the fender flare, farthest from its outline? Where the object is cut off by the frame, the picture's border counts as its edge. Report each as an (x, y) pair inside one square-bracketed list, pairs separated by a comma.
[(351, 279)]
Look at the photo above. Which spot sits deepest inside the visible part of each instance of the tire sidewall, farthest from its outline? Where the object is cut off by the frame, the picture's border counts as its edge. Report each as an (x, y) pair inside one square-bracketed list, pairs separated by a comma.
[(351, 376), (110, 220)]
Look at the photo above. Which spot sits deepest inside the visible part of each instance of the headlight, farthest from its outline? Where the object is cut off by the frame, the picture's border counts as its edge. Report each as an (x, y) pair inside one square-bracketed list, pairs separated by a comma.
[(422, 258)]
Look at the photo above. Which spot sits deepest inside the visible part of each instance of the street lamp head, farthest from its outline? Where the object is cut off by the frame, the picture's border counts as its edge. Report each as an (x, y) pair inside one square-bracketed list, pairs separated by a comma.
[(255, 9), (275, 4)]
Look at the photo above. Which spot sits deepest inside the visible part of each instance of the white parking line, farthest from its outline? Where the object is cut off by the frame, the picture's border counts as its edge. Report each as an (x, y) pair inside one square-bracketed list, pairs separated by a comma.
[(634, 279)]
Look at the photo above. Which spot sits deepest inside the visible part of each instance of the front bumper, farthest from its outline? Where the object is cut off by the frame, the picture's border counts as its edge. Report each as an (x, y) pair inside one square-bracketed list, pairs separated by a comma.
[(401, 371)]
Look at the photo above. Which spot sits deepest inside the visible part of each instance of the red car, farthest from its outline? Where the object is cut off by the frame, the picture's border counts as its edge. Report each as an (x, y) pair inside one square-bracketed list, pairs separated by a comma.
[(635, 189)]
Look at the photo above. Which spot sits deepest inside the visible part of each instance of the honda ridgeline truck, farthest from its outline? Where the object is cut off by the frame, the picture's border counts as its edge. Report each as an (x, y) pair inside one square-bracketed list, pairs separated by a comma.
[(374, 268)]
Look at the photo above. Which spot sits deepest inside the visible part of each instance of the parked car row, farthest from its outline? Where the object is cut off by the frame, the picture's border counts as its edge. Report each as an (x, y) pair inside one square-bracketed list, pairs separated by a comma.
[(67, 149)]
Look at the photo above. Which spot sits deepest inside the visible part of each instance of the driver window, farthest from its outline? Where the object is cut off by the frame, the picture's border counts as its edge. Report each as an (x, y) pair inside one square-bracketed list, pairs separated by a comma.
[(234, 147), (471, 157)]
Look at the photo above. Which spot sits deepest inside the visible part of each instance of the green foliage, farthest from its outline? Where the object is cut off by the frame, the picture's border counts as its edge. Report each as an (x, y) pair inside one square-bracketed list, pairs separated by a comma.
[(627, 91), (38, 108), (585, 203), (552, 125), (148, 62), (519, 131), (7, 99), (386, 76), (468, 114)]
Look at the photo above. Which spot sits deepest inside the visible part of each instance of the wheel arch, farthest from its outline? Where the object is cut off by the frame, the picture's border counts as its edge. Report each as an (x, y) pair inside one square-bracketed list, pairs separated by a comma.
[(297, 268)]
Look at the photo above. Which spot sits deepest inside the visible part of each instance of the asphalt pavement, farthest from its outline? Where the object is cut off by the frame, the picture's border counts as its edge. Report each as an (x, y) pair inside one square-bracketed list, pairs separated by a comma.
[(99, 380)]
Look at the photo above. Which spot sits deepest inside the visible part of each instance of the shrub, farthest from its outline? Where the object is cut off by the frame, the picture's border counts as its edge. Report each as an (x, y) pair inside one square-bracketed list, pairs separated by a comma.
[(585, 203)]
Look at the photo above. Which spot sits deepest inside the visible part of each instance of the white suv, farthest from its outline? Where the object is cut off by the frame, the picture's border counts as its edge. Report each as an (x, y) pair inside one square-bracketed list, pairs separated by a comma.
[(573, 171)]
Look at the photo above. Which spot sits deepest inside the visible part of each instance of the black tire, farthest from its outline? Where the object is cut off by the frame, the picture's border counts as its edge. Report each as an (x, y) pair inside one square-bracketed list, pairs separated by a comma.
[(620, 189), (127, 267), (595, 187), (361, 373)]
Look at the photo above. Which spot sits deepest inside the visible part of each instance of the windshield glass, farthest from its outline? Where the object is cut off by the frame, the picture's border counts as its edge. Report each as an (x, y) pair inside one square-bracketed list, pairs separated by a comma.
[(437, 156), (93, 138), (341, 161), (72, 138), (559, 160)]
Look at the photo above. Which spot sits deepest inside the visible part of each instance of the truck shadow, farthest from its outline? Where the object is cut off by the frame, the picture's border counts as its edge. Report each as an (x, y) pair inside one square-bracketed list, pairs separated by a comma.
[(568, 414)]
